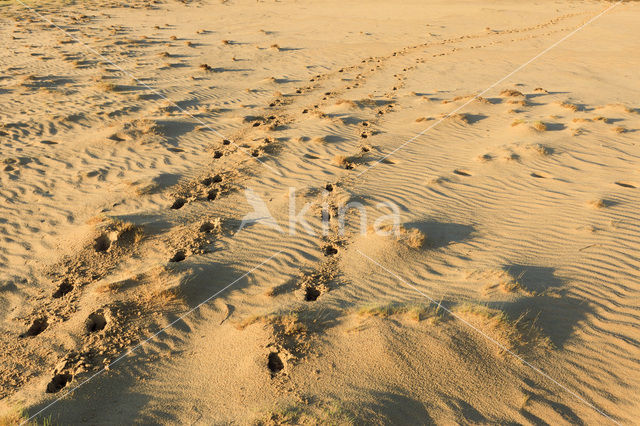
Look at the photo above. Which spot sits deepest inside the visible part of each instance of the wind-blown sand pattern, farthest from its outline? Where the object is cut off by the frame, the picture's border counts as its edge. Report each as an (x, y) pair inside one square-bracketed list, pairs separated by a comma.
[(134, 136)]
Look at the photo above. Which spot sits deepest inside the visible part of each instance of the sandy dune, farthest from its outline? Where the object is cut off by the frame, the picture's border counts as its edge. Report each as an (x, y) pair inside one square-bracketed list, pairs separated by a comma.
[(137, 136)]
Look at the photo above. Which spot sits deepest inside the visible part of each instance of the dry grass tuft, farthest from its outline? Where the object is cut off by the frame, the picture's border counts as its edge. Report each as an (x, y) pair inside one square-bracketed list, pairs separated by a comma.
[(569, 105), (599, 203), (482, 100), (94, 220), (539, 126), (521, 102), (107, 87), (308, 414), (413, 311), (346, 102), (288, 323), (460, 117), (119, 234), (413, 238), (13, 417), (143, 130), (513, 286), (343, 161), (16, 416), (541, 149), (511, 93), (519, 335)]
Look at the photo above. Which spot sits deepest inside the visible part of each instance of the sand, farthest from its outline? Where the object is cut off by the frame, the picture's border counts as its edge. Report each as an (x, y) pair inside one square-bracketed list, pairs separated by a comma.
[(138, 137)]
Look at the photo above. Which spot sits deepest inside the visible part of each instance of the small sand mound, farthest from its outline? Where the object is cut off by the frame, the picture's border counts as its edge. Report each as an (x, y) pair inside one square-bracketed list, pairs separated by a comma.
[(343, 161), (139, 130), (569, 105), (412, 237), (511, 93), (458, 117), (346, 103)]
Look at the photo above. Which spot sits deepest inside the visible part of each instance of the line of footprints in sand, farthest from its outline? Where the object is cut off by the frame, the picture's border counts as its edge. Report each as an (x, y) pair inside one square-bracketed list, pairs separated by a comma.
[(118, 241)]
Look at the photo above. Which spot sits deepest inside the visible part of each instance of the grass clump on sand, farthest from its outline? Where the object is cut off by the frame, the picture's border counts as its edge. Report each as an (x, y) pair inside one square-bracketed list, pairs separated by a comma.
[(569, 105), (539, 126), (107, 87), (343, 161), (511, 93), (519, 335), (288, 323), (536, 125), (16, 416), (413, 311), (120, 233), (411, 237), (305, 413), (600, 203), (541, 149), (346, 102), (514, 286)]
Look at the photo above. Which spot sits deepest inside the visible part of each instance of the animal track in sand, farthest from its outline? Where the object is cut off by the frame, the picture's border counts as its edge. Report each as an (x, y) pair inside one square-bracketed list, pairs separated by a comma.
[(177, 204), (274, 363), (38, 326), (311, 294), (63, 289), (178, 257), (329, 250), (212, 194), (207, 227), (211, 180), (102, 243), (95, 322), (58, 382)]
